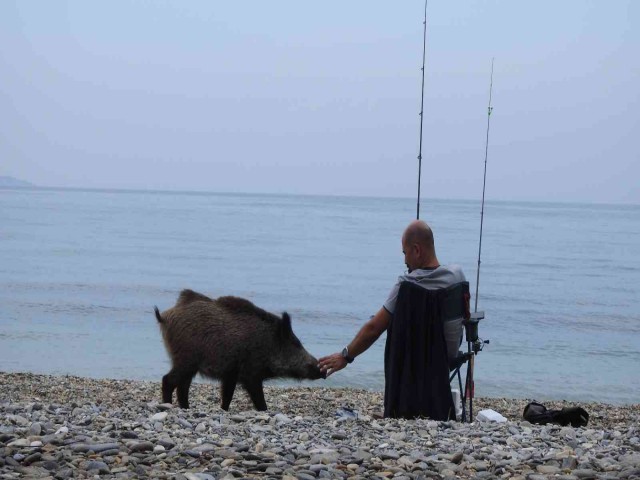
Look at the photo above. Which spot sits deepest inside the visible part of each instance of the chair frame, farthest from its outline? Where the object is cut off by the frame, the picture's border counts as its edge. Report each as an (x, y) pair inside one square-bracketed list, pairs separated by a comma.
[(474, 346)]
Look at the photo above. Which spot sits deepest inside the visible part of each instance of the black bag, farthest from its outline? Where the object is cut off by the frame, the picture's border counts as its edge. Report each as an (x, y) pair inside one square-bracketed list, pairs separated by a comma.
[(537, 413)]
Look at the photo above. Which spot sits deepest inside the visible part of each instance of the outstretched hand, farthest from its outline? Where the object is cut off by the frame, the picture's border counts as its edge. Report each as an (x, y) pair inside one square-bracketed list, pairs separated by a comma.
[(332, 363)]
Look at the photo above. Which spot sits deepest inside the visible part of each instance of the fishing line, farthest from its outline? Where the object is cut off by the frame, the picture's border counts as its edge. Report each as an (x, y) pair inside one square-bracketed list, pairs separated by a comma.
[(484, 183)]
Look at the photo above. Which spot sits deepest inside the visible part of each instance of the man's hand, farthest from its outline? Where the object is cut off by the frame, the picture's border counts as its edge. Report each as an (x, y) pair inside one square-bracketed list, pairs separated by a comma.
[(332, 363), (368, 334)]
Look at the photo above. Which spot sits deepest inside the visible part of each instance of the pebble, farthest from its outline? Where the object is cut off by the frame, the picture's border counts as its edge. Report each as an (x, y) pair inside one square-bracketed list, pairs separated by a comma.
[(100, 466), (141, 447), (35, 429), (159, 417), (86, 428)]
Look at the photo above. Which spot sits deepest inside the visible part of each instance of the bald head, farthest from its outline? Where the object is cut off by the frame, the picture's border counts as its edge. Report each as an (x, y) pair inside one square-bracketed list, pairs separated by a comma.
[(418, 246), (419, 232)]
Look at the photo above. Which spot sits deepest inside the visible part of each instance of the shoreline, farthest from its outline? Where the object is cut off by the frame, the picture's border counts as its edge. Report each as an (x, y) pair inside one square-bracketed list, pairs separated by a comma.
[(73, 427)]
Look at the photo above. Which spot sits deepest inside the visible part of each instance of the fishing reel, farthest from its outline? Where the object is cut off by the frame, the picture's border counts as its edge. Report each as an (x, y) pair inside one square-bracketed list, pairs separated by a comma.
[(478, 345), (475, 343)]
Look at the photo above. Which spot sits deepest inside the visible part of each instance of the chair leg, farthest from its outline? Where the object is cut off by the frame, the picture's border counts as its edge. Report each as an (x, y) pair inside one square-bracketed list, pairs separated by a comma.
[(463, 399), (469, 387)]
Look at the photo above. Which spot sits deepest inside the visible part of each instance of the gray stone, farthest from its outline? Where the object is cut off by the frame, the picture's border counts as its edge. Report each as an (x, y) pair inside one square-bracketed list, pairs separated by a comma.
[(304, 476), (17, 420), (281, 419), (35, 429), (198, 476), (141, 447), (389, 455), (95, 465), (21, 442), (167, 444), (457, 457), (102, 447), (489, 475), (204, 448), (630, 460), (110, 453), (548, 469), (584, 473), (50, 465), (159, 417), (64, 474), (34, 457)]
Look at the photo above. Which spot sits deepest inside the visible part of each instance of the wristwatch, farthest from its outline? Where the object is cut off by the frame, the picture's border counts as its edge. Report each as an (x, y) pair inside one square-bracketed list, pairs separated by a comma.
[(345, 355)]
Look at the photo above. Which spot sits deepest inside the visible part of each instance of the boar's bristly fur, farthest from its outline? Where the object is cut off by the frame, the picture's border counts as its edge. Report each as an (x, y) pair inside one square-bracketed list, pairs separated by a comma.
[(232, 340)]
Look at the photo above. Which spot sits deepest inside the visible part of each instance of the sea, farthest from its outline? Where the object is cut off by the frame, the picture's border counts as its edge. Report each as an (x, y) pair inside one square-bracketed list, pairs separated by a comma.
[(81, 270)]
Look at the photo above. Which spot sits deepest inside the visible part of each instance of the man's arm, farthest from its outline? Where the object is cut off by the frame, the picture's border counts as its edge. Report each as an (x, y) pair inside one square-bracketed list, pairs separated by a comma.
[(367, 335)]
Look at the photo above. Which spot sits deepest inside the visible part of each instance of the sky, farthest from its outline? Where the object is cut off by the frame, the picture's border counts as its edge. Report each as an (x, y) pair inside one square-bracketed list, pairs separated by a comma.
[(323, 98)]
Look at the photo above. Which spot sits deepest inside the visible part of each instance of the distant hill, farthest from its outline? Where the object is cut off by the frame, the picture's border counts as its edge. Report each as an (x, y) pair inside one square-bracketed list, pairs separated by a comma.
[(14, 182)]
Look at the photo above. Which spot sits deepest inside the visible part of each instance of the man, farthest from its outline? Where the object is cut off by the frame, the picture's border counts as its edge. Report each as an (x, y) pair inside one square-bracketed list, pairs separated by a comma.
[(424, 270)]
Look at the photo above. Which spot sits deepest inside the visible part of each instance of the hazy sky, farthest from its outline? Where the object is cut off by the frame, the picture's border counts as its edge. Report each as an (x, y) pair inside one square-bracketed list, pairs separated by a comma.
[(323, 97)]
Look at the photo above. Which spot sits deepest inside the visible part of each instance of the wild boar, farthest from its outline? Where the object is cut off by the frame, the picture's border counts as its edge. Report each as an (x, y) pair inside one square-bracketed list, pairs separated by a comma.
[(232, 340)]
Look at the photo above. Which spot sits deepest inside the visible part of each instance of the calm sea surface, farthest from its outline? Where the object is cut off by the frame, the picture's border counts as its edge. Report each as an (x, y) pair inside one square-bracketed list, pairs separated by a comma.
[(80, 272)]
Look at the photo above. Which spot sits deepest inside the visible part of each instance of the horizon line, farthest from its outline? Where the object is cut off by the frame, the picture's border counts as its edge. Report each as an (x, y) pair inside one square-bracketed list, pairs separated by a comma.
[(318, 195)]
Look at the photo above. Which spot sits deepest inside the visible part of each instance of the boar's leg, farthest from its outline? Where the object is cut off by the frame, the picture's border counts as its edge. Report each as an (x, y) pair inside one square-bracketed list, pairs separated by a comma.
[(256, 393), (183, 390), (169, 384), (177, 378), (227, 387)]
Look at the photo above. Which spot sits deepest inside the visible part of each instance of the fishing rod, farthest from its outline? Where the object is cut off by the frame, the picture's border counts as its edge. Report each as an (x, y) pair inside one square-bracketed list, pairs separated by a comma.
[(424, 50), (475, 344), (484, 183)]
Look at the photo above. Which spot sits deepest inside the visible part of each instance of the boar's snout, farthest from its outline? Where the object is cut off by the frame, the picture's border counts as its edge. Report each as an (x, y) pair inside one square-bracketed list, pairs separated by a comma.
[(313, 371)]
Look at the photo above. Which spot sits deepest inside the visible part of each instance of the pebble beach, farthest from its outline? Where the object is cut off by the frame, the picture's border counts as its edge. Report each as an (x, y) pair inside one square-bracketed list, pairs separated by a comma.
[(70, 427)]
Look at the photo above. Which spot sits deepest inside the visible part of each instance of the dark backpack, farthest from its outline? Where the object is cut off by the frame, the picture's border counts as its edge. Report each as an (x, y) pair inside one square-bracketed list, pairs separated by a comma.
[(535, 412)]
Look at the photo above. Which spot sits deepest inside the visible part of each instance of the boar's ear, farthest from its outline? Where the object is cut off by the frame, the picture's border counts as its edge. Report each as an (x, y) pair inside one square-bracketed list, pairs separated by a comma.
[(286, 332), (285, 325)]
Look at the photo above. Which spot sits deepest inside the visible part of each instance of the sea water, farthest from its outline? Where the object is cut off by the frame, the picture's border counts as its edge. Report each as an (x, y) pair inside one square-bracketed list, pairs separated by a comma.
[(81, 270)]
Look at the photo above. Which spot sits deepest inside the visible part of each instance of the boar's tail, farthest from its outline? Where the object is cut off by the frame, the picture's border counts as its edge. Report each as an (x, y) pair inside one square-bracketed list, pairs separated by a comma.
[(158, 316)]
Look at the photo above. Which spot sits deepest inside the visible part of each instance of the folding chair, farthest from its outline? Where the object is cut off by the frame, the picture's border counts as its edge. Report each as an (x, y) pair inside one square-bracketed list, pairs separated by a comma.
[(417, 366)]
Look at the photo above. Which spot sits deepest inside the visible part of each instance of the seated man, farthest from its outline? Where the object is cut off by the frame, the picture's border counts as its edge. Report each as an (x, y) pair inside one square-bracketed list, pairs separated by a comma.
[(424, 270)]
